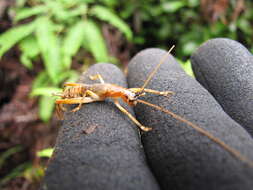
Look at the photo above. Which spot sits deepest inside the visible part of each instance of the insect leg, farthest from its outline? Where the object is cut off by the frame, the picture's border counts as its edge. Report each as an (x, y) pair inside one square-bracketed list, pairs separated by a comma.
[(116, 102), (163, 93), (92, 95), (97, 76), (61, 107), (59, 111), (82, 100), (71, 84), (74, 100), (77, 108)]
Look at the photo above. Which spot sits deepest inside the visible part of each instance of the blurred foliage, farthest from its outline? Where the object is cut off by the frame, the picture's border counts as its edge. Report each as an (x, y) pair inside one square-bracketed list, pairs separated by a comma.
[(55, 30), (16, 172), (8, 153), (187, 23), (48, 152), (26, 170)]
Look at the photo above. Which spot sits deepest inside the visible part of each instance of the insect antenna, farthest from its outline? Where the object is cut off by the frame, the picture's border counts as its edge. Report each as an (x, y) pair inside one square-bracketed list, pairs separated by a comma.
[(155, 69), (222, 144)]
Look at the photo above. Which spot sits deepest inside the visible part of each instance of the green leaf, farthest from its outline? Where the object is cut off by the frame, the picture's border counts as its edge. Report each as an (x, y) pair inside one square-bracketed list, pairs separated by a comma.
[(94, 41), (46, 108), (34, 173), (80, 10), (173, 6), (30, 50), (187, 67), (189, 47), (41, 80), (128, 11), (139, 40), (20, 3), (14, 35), (70, 76), (49, 46), (58, 11), (110, 3), (72, 42), (16, 172), (26, 61), (193, 3), (8, 153), (232, 27), (107, 15), (218, 28), (72, 3), (48, 152), (45, 91), (85, 1), (245, 26), (28, 12), (63, 12)]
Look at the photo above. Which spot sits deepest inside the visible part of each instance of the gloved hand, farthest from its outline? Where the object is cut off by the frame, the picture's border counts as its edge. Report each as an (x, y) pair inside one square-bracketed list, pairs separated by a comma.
[(176, 156)]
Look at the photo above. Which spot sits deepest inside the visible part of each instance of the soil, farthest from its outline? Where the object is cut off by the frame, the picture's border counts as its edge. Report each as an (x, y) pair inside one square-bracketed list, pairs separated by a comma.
[(19, 122)]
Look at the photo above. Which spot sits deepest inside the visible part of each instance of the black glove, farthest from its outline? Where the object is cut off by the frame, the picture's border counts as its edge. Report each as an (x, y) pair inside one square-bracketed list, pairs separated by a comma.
[(177, 156), (225, 68)]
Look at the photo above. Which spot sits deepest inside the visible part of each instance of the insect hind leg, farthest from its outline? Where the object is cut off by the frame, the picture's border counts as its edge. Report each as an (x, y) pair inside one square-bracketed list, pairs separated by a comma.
[(93, 97), (80, 101), (97, 76)]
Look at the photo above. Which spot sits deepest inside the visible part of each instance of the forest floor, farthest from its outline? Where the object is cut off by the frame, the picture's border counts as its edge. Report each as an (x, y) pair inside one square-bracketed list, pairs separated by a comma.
[(22, 133)]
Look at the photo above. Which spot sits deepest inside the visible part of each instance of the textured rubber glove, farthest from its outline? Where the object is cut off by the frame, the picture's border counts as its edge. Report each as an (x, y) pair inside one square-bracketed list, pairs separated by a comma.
[(225, 68), (179, 156), (109, 157)]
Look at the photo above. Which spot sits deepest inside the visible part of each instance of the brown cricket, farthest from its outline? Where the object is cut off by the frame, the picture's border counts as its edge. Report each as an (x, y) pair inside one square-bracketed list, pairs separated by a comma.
[(80, 93)]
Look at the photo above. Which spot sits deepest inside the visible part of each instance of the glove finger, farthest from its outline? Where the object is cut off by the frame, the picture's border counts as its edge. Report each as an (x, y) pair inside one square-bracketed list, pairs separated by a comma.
[(179, 156), (109, 157), (225, 68)]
